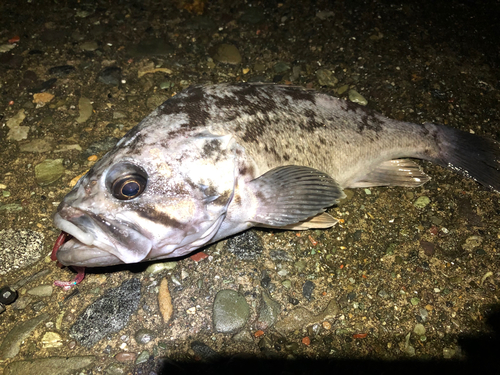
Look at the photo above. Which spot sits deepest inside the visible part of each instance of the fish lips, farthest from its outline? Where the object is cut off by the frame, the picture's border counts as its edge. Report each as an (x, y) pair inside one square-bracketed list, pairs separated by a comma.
[(75, 253), (97, 241)]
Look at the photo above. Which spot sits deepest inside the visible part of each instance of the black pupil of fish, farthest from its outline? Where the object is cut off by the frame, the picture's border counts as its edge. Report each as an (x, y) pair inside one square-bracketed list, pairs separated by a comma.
[(131, 188)]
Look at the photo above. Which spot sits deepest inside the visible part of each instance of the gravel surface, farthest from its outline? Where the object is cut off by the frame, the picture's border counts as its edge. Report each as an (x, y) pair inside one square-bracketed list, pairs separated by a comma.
[(408, 275)]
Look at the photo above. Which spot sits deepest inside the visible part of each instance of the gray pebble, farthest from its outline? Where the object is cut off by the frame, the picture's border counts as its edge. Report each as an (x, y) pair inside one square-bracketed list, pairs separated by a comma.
[(268, 312), (38, 306), (246, 246), (11, 207), (41, 291), (307, 289), (280, 255), (281, 67), (326, 78), (422, 201), (203, 351), (143, 357), (356, 97), (383, 294), (419, 329), (89, 46), (50, 365), (49, 171), (144, 335), (19, 249), (11, 344), (227, 54), (230, 311), (108, 314), (110, 76), (423, 314)]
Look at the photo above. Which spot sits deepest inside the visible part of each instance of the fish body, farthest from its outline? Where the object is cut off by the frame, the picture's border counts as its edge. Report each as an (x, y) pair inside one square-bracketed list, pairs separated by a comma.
[(216, 160)]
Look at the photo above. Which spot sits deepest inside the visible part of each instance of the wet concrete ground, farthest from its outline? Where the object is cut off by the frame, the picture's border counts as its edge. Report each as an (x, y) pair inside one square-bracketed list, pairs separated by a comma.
[(412, 273)]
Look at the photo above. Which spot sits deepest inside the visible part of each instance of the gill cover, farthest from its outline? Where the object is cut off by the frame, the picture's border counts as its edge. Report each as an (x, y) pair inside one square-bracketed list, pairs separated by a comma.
[(208, 163)]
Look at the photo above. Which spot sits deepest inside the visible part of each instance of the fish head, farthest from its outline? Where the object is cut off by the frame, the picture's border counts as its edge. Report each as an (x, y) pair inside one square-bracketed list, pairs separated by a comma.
[(148, 200)]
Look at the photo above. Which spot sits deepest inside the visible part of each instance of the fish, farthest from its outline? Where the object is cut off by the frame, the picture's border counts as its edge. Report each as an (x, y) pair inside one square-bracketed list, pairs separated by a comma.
[(216, 160)]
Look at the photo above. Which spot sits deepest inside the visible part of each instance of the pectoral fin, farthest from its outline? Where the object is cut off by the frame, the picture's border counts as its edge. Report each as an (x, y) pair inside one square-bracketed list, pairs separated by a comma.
[(289, 195)]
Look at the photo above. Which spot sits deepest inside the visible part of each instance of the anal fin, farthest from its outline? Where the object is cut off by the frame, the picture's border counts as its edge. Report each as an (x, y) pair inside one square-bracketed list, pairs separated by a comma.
[(398, 172), (321, 221)]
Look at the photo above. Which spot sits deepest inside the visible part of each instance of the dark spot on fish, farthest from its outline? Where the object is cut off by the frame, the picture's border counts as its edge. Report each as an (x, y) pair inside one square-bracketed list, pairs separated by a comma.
[(272, 151), (180, 189), (237, 200), (159, 217), (310, 124), (192, 102), (322, 140), (425, 131), (211, 147), (251, 171), (260, 196), (182, 131), (246, 171), (223, 198), (255, 128), (370, 120), (211, 191), (298, 93), (286, 157), (427, 152)]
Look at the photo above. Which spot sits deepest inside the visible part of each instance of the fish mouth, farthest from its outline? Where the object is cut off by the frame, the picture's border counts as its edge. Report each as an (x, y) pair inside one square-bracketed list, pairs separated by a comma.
[(89, 240), (69, 251)]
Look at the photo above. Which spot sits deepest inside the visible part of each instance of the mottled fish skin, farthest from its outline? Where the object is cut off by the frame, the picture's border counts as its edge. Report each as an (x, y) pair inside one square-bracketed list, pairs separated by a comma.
[(281, 125), (212, 155)]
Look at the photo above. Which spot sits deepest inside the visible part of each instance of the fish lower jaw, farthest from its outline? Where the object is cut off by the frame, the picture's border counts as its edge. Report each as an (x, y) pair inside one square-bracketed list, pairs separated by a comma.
[(76, 253), (73, 230)]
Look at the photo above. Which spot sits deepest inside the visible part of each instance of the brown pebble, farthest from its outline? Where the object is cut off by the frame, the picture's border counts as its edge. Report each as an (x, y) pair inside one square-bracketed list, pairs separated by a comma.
[(125, 357), (165, 301), (429, 248)]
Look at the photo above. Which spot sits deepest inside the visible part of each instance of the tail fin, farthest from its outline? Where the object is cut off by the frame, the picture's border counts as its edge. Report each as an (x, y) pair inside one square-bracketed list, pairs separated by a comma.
[(471, 155)]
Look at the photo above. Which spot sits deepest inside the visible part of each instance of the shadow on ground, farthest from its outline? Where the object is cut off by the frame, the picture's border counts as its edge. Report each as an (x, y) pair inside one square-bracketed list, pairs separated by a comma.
[(482, 355)]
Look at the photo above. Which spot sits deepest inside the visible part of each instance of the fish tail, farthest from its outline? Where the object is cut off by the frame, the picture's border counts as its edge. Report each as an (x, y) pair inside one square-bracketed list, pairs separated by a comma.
[(471, 155)]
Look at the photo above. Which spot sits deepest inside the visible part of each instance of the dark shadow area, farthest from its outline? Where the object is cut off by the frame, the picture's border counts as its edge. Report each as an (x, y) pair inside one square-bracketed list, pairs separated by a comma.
[(481, 356)]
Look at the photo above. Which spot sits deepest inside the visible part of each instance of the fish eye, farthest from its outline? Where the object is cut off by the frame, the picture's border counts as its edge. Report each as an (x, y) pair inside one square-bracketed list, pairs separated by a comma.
[(126, 181), (128, 187)]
